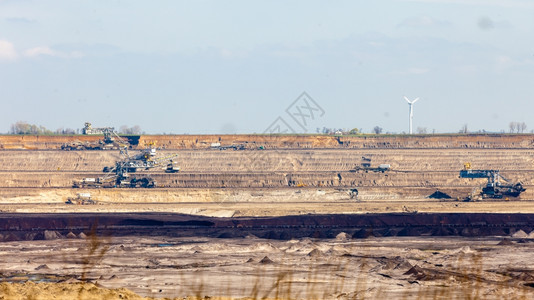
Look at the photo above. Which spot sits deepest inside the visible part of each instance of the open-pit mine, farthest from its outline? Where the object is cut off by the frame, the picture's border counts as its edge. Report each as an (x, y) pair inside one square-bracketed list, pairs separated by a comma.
[(268, 216)]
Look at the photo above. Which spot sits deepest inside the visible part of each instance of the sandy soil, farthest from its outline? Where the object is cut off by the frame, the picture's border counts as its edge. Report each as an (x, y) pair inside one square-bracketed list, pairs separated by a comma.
[(462, 141), (341, 268), (270, 183), (62, 291), (279, 208)]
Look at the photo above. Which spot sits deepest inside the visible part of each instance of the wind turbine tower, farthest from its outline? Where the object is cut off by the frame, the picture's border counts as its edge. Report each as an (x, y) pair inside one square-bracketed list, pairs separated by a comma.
[(411, 110)]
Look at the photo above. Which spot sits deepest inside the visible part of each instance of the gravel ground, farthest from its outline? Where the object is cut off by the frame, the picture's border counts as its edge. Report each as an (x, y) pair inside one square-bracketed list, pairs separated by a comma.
[(340, 268)]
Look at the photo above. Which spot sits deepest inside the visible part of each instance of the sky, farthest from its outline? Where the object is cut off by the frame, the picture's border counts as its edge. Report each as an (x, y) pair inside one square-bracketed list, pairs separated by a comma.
[(236, 66)]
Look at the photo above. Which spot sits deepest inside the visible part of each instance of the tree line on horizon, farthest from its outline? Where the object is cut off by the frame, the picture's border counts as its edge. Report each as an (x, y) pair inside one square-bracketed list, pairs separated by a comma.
[(25, 128)]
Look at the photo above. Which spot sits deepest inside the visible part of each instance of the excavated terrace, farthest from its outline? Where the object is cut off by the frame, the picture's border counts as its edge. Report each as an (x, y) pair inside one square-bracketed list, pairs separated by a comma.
[(319, 170)]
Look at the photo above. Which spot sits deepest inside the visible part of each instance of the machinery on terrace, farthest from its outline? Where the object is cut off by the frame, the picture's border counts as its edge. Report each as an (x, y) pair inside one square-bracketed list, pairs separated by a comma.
[(89, 129), (494, 188), (218, 146), (120, 174), (365, 165), (81, 199), (111, 140)]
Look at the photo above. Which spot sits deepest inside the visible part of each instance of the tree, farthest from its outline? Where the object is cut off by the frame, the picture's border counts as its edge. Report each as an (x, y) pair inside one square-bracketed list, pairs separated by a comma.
[(136, 129), (516, 127), (63, 130), (328, 130), (464, 129), (377, 130), (22, 127), (512, 126), (523, 127), (421, 130), (354, 131), (130, 130)]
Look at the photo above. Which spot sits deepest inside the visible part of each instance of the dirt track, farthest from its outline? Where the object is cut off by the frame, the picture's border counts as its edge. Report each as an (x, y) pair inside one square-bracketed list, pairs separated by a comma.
[(426, 141)]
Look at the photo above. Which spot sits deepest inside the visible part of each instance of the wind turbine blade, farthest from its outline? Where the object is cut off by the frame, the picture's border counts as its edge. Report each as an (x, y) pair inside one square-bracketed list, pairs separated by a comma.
[(415, 100), (406, 98)]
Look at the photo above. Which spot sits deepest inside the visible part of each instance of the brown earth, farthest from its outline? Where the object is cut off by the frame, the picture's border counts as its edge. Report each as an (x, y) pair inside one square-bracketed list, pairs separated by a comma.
[(293, 175), (467, 141), (253, 268), (62, 291), (238, 183)]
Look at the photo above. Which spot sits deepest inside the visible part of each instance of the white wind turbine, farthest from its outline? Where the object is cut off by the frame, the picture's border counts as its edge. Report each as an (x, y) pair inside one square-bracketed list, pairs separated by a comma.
[(411, 110)]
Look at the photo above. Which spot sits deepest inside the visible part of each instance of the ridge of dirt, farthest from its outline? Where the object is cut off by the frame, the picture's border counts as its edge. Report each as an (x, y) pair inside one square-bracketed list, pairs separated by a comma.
[(252, 141)]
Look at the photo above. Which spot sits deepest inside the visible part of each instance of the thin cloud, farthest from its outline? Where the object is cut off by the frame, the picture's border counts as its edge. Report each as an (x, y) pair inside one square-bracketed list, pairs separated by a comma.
[(7, 51), (412, 71), (485, 23), (41, 50), (504, 62), (423, 22), (500, 3), (19, 20), (81, 49), (44, 50), (417, 71)]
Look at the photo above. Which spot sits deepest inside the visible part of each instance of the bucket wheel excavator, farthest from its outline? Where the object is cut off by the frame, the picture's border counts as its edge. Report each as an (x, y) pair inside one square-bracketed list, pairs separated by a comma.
[(111, 141), (494, 188), (120, 175)]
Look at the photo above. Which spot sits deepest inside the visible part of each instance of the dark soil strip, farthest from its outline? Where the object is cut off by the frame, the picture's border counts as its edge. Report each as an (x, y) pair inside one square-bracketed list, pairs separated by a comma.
[(32, 226)]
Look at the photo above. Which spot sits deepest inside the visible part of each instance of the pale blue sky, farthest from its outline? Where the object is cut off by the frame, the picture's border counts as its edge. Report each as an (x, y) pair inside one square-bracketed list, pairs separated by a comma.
[(235, 66)]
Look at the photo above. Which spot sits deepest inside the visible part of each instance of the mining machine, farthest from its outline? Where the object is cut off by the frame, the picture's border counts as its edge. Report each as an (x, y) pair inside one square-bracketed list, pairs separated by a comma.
[(81, 199), (365, 165), (111, 140), (120, 174), (494, 188)]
